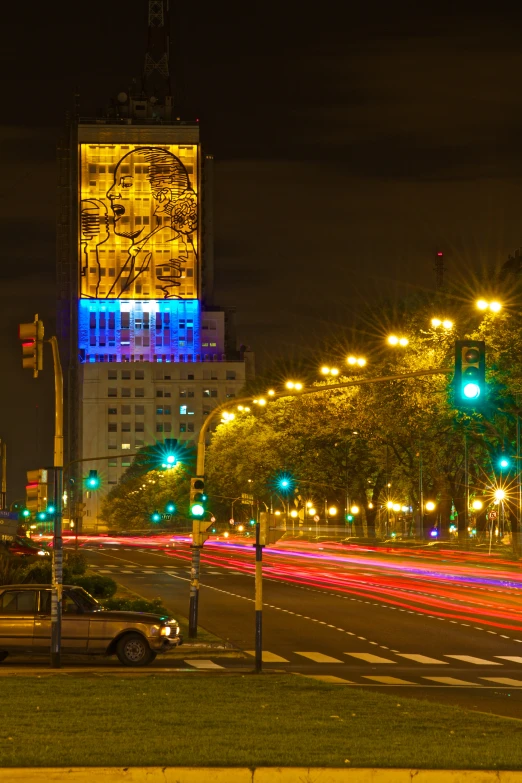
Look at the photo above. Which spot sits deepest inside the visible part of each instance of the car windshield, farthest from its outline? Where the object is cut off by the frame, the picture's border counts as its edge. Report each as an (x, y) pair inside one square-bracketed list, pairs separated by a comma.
[(86, 601)]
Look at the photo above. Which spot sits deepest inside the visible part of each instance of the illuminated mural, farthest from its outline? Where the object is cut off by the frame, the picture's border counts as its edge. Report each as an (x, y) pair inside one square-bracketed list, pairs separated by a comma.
[(138, 221)]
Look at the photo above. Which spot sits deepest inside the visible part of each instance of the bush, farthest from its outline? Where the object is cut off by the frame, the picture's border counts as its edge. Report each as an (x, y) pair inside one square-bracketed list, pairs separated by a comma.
[(136, 605), (12, 572), (76, 562), (97, 585)]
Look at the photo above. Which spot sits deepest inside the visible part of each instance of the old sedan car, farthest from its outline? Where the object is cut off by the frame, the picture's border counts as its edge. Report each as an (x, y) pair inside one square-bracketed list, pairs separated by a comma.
[(135, 637)]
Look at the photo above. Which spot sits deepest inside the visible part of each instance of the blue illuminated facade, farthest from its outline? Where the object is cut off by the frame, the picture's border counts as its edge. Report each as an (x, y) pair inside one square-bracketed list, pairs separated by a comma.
[(119, 330)]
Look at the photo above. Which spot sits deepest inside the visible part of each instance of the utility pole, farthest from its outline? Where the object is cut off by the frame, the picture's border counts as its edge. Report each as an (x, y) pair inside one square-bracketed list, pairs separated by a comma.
[(3, 495), (259, 600), (439, 270), (56, 600)]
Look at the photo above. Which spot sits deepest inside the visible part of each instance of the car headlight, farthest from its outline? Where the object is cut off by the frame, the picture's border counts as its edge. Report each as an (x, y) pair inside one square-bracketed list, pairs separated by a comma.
[(165, 631), (41, 552)]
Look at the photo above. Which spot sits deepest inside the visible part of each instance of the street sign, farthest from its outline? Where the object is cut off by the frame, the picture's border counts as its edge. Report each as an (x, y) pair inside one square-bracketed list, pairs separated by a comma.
[(317, 518), (4, 514), (8, 527), (166, 517), (492, 515)]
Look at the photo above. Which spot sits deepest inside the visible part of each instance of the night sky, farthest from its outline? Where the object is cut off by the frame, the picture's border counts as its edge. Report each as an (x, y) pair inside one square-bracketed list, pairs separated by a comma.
[(350, 144)]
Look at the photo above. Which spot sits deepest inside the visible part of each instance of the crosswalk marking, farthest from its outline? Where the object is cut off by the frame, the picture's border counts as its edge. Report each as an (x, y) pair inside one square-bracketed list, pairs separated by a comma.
[(268, 657), (370, 658), (472, 659), (331, 678), (514, 658), (319, 657), (126, 572), (388, 680), (449, 681), (504, 681), (421, 658), (105, 571), (240, 573), (200, 663)]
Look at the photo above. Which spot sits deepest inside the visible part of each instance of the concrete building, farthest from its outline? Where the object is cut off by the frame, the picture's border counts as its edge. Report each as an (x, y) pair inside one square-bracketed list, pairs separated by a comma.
[(146, 352)]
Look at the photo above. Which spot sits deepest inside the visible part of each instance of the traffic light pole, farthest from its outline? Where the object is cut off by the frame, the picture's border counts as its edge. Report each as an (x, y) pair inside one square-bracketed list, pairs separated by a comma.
[(194, 591), (56, 600), (259, 601)]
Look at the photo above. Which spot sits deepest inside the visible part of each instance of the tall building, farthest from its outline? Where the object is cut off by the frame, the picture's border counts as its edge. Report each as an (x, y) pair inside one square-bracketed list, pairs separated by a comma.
[(146, 354)]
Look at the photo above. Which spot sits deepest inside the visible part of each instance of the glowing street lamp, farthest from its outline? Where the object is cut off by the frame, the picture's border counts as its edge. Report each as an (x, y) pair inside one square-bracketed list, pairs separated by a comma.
[(494, 306), (445, 323), (394, 340), (430, 506), (499, 495), (294, 385), (311, 511), (389, 504), (329, 371), (354, 510), (477, 505), (358, 361), (332, 511), (396, 507)]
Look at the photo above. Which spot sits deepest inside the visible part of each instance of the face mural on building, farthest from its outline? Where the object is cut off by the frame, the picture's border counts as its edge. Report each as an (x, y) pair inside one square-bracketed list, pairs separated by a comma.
[(145, 201)]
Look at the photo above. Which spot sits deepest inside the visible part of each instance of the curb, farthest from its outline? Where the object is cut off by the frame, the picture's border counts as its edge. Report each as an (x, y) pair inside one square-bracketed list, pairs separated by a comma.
[(246, 775)]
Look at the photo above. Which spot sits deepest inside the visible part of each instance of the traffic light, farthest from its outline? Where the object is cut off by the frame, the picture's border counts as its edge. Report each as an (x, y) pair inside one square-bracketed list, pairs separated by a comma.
[(268, 533), (36, 490), (32, 336), (349, 517), (26, 513), (170, 508), (93, 480), (470, 373), (504, 462), (155, 516), (199, 531), (197, 497), (285, 483)]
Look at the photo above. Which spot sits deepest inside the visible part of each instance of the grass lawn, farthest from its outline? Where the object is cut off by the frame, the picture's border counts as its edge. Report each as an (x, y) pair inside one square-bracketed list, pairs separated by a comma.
[(239, 720)]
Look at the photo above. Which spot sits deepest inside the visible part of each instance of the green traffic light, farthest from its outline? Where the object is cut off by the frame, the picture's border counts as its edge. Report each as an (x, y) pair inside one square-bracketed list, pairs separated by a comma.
[(26, 512), (252, 522), (42, 516), (197, 510), (503, 462), (170, 508), (51, 509), (156, 516)]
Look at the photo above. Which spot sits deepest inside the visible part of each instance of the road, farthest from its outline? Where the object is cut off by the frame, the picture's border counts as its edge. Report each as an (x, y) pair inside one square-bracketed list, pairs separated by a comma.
[(440, 627)]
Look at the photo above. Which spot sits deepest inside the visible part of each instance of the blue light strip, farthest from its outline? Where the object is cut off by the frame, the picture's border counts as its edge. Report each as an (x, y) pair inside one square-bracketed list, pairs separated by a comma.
[(164, 330)]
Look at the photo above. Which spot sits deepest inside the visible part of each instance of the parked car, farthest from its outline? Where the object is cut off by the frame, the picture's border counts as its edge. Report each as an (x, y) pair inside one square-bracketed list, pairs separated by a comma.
[(135, 637), (27, 549)]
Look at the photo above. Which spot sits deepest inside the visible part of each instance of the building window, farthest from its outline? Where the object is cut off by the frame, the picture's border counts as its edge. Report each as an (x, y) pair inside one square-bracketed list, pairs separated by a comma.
[(167, 410), (125, 463), (138, 442), (125, 375), (183, 410), (159, 411), (125, 392), (167, 427), (139, 375), (139, 410), (125, 410), (159, 427), (183, 427), (159, 392), (230, 393), (210, 393), (112, 446), (125, 446), (139, 391), (231, 375), (190, 427), (112, 392), (112, 375), (125, 426), (113, 426), (113, 411), (112, 463), (139, 426), (182, 392)]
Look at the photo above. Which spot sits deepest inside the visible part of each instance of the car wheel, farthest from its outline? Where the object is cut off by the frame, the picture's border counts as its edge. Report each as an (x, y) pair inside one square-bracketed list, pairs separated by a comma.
[(133, 650), (3, 656)]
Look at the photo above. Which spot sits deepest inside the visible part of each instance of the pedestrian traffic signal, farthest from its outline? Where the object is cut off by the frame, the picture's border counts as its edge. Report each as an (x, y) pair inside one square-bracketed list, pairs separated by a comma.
[(197, 497), (470, 373), (93, 480), (32, 336)]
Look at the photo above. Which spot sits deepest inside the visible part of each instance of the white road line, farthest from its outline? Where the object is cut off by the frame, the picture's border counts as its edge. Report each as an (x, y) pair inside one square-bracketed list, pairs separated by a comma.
[(450, 681), (200, 663), (514, 658), (503, 681), (269, 657), (421, 658), (327, 678), (388, 680), (370, 658), (105, 572), (472, 659), (318, 657)]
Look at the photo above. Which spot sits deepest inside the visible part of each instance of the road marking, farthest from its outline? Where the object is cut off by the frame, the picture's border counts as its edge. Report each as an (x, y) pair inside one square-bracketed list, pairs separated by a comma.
[(268, 657), (325, 678), (370, 658), (388, 680), (514, 658), (105, 572), (450, 681), (200, 663), (503, 681), (421, 658), (126, 572), (472, 659), (319, 657)]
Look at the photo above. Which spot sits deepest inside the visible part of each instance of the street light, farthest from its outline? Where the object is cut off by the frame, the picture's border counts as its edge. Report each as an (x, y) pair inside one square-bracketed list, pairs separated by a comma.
[(499, 495), (494, 306), (329, 370), (354, 510), (430, 506), (332, 511), (294, 385), (360, 361), (394, 340), (477, 505), (445, 323)]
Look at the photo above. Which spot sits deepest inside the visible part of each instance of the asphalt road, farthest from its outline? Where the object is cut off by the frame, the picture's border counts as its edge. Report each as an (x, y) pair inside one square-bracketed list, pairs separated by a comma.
[(436, 628)]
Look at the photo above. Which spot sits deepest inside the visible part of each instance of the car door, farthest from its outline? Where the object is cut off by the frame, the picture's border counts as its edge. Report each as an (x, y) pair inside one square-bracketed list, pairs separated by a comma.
[(17, 618), (75, 625)]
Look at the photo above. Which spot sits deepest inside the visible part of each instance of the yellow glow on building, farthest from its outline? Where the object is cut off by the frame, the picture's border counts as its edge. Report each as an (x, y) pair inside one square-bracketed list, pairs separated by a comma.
[(138, 221)]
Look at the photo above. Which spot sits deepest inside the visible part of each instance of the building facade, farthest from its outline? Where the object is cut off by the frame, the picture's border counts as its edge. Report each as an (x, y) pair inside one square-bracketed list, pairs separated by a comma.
[(146, 354)]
